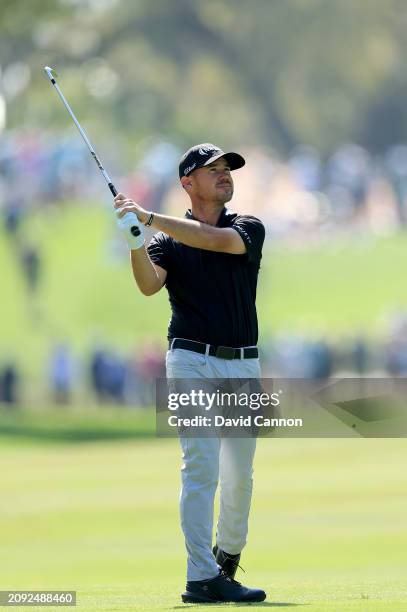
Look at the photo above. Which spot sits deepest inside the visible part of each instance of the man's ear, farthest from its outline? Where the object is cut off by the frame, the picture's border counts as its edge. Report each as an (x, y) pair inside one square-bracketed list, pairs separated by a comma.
[(186, 182)]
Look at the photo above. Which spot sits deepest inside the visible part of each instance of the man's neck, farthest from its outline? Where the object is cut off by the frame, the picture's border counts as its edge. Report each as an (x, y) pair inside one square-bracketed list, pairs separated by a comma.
[(207, 213)]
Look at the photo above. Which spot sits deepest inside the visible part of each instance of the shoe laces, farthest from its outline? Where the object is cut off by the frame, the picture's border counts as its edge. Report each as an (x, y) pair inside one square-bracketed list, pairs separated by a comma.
[(231, 558), (229, 579)]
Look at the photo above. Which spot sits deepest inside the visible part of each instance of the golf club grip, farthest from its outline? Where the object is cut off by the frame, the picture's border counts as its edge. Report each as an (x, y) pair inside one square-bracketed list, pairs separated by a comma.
[(112, 189), (133, 228)]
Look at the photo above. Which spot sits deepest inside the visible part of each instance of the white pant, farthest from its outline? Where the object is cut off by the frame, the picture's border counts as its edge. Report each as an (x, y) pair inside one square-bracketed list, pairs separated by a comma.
[(207, 461)]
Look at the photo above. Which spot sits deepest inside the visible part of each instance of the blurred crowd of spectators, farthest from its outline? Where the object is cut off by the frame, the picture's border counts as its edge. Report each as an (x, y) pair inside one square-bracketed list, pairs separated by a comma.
[(308, 197), (37, 168), (299, 356), (105, 376), (349, 188)]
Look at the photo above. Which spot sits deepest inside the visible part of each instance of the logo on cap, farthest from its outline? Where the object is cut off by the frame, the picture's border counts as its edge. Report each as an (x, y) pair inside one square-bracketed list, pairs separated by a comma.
[(206, 150), (189, 169)]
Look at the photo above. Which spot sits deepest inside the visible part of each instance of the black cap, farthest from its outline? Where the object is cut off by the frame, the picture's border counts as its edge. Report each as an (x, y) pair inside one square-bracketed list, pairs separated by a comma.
[(204, 154)]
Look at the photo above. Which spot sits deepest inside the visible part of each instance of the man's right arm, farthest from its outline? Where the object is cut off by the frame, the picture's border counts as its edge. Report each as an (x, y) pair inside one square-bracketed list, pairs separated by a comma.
[(149, 276)]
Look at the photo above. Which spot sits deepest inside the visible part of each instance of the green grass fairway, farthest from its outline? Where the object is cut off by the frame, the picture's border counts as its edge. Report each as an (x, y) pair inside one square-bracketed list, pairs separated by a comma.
[(328, 527)]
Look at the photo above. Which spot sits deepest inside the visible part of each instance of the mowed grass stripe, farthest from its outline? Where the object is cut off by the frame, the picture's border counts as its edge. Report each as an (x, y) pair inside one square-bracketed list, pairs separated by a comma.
[(102, 518)]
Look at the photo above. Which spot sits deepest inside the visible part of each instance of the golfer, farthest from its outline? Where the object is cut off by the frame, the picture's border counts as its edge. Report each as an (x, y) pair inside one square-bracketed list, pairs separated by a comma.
[(209, 262)]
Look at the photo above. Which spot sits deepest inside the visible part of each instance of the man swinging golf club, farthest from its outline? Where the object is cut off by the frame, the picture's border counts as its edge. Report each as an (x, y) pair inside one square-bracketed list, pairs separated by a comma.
[(209, 262)]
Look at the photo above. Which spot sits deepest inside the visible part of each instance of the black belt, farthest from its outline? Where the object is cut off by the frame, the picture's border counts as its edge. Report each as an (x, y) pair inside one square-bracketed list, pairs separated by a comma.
[(223, 352)]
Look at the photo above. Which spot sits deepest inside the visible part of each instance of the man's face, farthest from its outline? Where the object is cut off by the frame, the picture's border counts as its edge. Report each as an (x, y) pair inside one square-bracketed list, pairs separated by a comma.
[(213, 182)]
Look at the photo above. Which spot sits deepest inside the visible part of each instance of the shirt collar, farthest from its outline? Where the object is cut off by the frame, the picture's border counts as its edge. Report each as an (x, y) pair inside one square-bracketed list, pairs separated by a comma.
[(222, 217)]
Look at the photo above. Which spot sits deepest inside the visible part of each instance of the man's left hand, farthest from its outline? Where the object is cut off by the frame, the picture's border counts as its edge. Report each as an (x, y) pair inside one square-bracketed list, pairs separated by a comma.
[(124, 205)]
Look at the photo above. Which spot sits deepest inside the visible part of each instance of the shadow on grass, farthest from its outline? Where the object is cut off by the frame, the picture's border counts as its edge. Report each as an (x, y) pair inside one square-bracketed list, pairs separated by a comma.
[(73, 434), (263, 604), (73, 427)]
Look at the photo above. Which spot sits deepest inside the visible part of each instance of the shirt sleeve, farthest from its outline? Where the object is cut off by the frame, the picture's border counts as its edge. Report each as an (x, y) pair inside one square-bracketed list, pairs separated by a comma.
[(159, 250), (252, 232)]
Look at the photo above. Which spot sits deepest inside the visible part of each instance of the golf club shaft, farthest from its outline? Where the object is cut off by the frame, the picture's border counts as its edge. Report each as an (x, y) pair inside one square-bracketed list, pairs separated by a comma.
[(82, 133), (129, 218)]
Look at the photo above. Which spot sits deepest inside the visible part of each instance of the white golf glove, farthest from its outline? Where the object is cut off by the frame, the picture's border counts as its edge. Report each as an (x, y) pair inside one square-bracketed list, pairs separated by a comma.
[(132, 230)]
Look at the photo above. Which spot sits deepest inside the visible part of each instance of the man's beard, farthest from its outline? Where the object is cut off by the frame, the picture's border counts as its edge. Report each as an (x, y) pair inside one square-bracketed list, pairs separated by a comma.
[(226, 195), (220, 197)]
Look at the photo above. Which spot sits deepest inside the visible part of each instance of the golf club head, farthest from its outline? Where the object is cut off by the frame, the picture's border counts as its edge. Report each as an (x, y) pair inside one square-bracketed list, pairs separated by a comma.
[(51, 73)]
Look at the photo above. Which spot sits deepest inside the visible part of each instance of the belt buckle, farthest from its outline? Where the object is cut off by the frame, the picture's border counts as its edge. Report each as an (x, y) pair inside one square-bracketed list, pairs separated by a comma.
[(225, 352)]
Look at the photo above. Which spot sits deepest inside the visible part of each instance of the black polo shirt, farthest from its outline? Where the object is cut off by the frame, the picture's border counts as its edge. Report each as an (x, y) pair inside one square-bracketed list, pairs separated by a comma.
[(212, 295)]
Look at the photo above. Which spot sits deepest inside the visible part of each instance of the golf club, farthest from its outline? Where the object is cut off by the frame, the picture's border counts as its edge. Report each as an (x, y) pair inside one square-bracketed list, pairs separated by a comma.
[(129, 217)]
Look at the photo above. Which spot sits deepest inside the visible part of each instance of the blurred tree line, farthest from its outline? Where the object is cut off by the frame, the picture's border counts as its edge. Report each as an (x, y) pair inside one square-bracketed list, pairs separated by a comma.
[(272, 72)]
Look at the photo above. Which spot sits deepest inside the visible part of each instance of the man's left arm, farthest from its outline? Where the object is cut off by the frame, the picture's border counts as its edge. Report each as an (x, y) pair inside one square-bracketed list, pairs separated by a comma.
[(200, 235), (189, 231)]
